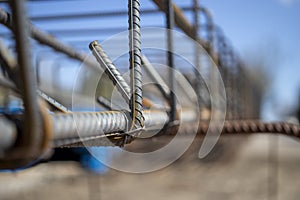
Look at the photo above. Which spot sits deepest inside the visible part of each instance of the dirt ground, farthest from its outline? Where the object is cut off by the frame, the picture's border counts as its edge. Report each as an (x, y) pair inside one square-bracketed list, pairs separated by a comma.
[(250, 170)]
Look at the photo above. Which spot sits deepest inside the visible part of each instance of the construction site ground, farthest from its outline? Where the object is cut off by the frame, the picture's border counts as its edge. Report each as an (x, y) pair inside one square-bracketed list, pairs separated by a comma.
[(241, 168)]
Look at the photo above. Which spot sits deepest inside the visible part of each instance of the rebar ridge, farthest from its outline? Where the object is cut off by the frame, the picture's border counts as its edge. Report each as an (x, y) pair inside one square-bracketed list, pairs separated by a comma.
[(136, 104), (255, 126)]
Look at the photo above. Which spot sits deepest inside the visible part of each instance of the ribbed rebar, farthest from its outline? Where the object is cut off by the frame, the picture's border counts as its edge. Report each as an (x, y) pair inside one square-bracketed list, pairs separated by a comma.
[(240, 127), (87, 124), (252, 126), (72, 127), (110, 69), (158, 119), (136, 104)]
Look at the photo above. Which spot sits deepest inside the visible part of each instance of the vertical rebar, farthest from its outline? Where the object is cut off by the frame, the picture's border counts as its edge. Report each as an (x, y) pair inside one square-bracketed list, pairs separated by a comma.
[(210, 29), (169, 26), (32, 137), (197, 54), (136, 103), (214, 57)]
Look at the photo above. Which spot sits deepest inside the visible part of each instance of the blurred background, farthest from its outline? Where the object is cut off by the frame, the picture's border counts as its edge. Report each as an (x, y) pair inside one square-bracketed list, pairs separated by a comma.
[(263, 34)]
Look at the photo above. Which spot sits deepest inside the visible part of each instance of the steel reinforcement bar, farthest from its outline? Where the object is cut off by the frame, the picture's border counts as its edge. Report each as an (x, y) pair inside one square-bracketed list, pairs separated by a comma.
[(70, 128)]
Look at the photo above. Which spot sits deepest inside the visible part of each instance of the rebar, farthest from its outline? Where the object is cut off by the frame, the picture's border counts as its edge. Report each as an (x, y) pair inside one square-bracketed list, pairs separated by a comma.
[(74, 128), (32, 137), (157, 120), (84, 124), (155, 76), (197, 68), (210, 29), (110, 69), (136, 104), (169, 26), (107, 104), (49, 40), (240, 127), (8, 63)]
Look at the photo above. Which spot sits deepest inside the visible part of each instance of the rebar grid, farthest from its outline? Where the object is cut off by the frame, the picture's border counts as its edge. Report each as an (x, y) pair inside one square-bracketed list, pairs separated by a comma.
[(73, 129)]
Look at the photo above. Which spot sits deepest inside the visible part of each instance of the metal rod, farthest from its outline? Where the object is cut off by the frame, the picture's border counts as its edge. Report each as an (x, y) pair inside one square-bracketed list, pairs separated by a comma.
[(53, 102), (32, 137), (169, 26), (107, 104), (210, 29), (81, 125), (197, 55), (8, 84), (136, 104), (110, 69), (98, 14), (88, 124), (49, 40), (38, 60), (84, 125), (182, 22), (8, 63), (101, 14), (44, 38), (155, 76)]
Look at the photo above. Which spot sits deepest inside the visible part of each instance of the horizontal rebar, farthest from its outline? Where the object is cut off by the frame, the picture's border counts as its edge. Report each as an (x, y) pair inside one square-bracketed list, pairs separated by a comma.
[(80, 126), (87, 124), (98, 14)]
